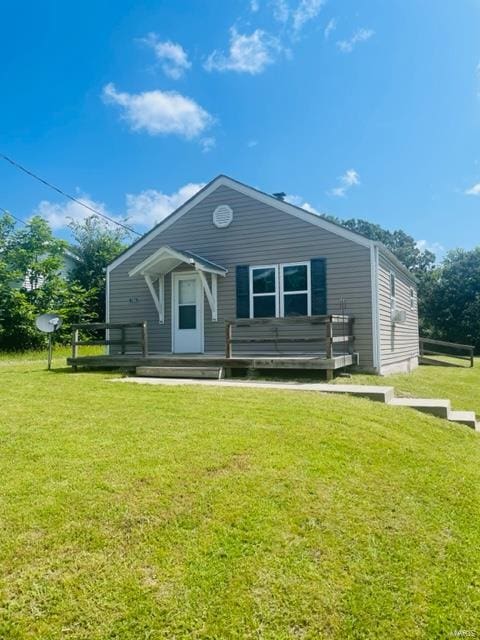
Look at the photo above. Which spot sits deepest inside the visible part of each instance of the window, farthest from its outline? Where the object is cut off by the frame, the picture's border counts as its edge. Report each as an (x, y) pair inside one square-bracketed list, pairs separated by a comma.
[(412, 298), (264, 291), (295, 289), (393, 285), (187, 304), (280, 290)]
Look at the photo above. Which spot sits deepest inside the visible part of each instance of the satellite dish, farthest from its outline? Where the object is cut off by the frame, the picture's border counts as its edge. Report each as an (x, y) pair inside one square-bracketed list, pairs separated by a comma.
[(48, 322)]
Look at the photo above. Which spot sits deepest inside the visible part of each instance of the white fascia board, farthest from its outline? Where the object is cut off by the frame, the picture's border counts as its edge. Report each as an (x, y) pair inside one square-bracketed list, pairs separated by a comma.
[(202, 267), (145, 264), (395, 262), (173, 217), (298, 212), (271, 201)]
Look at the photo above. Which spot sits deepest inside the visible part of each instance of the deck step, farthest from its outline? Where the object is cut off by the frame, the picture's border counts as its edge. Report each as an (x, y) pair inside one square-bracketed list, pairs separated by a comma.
[(437, 407), (216, 373), (464, 417)]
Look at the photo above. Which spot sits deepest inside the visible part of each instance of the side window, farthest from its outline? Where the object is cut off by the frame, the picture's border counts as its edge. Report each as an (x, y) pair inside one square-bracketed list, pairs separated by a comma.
[(393, 284), (263, 287), (295, 289)]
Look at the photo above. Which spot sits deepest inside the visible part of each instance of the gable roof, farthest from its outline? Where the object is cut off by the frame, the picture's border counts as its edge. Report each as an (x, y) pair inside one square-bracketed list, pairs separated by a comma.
[(167, 258), (270, 200)]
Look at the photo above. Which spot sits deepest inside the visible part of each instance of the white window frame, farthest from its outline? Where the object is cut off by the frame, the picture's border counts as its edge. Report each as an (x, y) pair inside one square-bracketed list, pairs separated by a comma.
[(308, 290), (393, 296), (412, 299), (279, 292), (252, 268)]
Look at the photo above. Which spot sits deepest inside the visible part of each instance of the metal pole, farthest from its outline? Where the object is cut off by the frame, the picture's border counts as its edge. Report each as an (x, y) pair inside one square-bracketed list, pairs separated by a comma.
[(49, 365)]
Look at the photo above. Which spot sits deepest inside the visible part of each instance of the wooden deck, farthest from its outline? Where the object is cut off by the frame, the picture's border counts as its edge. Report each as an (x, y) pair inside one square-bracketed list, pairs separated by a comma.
[(330, 337), (245, 361)]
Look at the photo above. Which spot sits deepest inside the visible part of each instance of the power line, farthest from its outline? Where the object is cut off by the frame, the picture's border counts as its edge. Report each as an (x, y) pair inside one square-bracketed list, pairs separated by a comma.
[(9, 213), (67, 195)]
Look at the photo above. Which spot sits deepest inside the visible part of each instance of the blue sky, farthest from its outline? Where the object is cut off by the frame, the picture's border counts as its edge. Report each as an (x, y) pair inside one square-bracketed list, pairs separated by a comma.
[(358, 109)]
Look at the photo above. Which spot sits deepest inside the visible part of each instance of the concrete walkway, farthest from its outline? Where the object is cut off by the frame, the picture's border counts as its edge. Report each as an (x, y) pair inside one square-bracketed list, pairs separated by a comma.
[(437, 407)]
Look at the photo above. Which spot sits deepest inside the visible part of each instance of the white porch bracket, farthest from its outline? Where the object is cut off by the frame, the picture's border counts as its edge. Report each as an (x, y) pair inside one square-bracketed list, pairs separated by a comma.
[(158, 297), (211, 293), (164, 261)]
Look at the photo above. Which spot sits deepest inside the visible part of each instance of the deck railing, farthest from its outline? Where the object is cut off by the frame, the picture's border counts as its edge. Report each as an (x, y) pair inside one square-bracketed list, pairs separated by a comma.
[(429, 347), (123, 342), (335, 329)]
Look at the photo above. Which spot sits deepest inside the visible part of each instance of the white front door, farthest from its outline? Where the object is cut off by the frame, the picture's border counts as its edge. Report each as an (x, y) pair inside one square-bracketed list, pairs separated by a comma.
[(187, 313)]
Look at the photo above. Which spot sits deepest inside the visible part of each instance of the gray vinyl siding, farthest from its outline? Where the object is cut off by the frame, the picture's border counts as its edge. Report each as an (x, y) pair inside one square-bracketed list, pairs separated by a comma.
[(259, 234), (398, 342)]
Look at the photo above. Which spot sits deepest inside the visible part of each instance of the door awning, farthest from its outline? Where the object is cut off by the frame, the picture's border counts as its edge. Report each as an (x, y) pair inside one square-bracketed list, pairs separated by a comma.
[(167, 258), (156, 266)]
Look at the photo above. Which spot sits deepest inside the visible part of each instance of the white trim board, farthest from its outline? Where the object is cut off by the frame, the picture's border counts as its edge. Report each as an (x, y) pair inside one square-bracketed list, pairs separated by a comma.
[(176, 276), (374, 269), (271, 201)]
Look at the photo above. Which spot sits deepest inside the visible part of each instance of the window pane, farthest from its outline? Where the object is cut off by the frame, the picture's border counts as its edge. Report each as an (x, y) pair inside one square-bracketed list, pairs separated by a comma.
[(295, 304), (295, 278), (392, 285), (263, 280), (187, 316), (187, 291), (264, 306)]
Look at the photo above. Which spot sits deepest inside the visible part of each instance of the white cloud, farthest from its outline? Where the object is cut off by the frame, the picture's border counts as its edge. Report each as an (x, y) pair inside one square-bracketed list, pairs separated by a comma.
[(473, 191), (172, 56), (254, 6), (58, 215), (143, 209), (281, 10), (298, 201), (252, 143), (306, 10), (247, 53), (435, 247), (160, 112), (149, 207), (208, 144), (349, 179), (361, 35), (331, 26)]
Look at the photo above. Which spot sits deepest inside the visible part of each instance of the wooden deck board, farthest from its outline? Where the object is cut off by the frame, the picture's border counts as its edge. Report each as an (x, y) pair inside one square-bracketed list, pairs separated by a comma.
[(304, 361)]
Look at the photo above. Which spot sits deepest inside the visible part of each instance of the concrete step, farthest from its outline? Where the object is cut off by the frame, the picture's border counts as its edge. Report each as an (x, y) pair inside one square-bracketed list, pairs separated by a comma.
[(436, 407), (372, 392), (464, 417), (216, 373)]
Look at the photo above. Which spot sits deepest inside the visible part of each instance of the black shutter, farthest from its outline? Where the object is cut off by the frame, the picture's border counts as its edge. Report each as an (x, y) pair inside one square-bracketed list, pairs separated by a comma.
[(243, 291), (318, 274)]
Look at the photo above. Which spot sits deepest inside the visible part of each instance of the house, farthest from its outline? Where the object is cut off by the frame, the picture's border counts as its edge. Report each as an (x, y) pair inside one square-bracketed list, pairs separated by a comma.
[(69, 261), (234, 253)]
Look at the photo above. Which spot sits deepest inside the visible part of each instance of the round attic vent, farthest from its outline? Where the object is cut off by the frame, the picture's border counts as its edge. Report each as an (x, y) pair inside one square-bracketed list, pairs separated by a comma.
[(222, 216)]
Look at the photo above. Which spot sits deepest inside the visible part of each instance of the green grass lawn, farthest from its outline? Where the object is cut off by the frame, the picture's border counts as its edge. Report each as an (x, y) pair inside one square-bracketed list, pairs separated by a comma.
[(132, 512)]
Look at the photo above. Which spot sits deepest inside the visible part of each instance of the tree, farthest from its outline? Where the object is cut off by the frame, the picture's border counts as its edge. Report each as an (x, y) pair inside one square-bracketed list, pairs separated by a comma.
[(96, 244), (453, 309), (420, 262), (30, 284), (401, 244)]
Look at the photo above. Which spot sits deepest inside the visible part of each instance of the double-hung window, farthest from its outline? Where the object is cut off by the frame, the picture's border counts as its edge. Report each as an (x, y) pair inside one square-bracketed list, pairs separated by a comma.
[(393, 286), (264, 291), (295, 289), (280, 290)]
